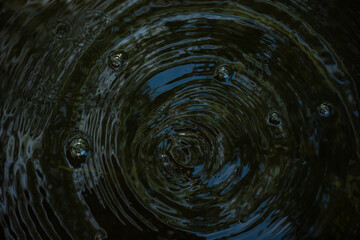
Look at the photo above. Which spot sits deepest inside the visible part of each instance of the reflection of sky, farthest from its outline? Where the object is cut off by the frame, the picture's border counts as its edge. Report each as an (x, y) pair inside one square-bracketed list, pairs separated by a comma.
[(226, 172), (269, 228), (163, 81)]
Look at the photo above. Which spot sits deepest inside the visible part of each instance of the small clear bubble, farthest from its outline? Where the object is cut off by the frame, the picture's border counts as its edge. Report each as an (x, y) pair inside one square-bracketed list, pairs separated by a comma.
[(223, 73), (326, 110), (62, 29), (79, 148), (274, 119), (117, 59)]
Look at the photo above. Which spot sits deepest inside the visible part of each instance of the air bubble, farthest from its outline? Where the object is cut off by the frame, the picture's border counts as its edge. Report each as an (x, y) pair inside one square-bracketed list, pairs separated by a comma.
[(78, 148), (117, 59), (326, 110), (62, 29), (274, 119), (223, 73)]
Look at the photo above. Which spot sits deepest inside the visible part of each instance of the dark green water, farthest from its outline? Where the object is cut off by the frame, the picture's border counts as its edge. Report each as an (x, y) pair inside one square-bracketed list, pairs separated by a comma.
[(179, 119)]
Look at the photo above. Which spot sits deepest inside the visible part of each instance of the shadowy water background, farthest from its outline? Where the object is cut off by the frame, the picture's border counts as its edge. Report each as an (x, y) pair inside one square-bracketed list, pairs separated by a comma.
[(179, 119)]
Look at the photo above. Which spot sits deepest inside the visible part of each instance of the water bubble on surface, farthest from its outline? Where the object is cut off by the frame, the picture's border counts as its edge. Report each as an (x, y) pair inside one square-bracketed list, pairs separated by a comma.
[(117, 59), (62, 29), (274, 119), (325, 110), (78, 149), (223, 73)]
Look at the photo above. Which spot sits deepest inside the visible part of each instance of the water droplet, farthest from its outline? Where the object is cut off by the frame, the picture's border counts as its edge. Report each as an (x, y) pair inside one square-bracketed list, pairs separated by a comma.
[(62, 29), (78, 149), (325, 110), (274, 119), (223, 73), (117, 59)]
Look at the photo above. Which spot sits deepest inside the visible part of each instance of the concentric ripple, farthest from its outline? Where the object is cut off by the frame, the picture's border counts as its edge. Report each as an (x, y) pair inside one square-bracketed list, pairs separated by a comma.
[(178, 120)]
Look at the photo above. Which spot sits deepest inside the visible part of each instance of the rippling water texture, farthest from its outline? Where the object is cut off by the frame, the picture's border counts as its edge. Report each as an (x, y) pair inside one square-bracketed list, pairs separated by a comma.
[(162, 119)]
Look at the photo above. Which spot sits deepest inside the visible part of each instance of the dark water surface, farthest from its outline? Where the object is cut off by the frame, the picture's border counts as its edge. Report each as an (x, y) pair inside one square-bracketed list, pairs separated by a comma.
[(164, 119)]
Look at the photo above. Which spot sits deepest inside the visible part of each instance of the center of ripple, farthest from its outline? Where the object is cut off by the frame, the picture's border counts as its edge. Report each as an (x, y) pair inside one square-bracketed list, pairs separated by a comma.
[(190, 141), (184, 151), (199, 138)]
